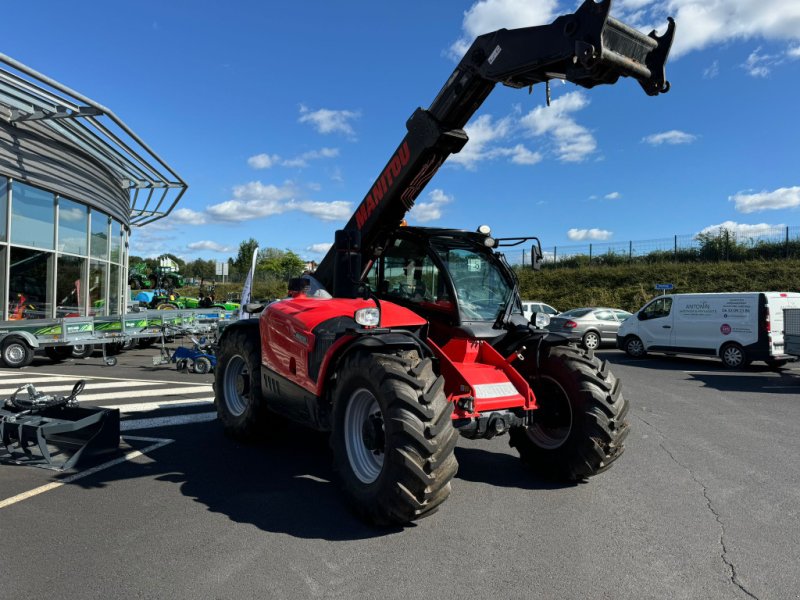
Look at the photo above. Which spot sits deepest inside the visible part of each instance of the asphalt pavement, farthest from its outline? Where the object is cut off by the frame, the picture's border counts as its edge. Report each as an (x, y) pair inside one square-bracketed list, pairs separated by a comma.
[(705, 503)]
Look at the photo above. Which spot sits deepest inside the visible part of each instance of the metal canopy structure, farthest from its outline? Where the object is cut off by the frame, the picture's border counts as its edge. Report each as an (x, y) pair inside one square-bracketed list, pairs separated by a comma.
[(30, 99)]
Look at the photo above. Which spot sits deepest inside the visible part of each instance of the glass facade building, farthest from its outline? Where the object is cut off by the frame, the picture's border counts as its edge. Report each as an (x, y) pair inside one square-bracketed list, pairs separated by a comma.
[(58, 256)]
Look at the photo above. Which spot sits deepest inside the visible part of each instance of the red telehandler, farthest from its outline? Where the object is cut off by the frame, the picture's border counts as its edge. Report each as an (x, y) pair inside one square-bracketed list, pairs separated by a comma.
[(406, 337)]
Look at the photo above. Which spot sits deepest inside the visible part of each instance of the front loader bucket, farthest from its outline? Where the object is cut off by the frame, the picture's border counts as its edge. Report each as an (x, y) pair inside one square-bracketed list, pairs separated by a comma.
[(57, 438)]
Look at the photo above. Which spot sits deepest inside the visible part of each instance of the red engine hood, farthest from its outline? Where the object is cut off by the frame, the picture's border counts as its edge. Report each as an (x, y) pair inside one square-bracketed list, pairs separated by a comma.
[(312, 311)]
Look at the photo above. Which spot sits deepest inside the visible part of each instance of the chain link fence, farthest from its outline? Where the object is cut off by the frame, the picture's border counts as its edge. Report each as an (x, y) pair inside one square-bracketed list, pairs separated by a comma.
[(715, 245)]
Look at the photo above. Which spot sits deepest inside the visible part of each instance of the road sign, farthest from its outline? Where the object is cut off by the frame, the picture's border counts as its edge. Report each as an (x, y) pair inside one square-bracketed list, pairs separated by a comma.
[(664, 286)]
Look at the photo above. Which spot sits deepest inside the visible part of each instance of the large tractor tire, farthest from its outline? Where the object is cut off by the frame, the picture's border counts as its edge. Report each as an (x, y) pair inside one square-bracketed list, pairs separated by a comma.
[(241, 406), (393, 438), (579, 428)]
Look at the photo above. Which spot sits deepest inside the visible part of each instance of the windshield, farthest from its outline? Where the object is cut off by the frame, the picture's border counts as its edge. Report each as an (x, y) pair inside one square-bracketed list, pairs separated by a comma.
[(481, 289)]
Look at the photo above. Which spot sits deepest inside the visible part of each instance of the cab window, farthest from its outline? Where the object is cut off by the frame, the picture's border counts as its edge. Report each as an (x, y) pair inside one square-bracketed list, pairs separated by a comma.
[(657, 309), (407, 273)]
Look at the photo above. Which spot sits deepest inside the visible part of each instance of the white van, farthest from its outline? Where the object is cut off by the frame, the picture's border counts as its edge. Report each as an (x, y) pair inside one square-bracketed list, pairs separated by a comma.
[(738, 327)]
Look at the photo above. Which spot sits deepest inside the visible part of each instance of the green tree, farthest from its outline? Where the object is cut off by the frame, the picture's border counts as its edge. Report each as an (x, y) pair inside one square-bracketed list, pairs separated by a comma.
[(280, 264), (241, 264)]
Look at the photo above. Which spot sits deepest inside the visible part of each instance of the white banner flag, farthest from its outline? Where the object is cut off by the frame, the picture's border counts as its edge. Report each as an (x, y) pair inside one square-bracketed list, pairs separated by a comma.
[(248, 285)]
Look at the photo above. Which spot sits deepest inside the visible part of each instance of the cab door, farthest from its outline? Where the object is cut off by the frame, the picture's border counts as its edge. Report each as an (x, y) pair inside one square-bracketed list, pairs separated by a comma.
[(656, 321)]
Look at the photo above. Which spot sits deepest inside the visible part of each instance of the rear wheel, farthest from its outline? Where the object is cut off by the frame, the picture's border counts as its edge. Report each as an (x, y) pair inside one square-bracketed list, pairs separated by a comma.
[(591, 340), (82, 350), (17, 353), (733, 356), (579, 427), (237, 388), (392, 438)]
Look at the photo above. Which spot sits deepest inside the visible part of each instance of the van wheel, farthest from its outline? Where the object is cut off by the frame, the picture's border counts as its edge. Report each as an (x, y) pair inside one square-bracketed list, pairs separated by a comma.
[(17, 353), (634, 347), (733, 356)]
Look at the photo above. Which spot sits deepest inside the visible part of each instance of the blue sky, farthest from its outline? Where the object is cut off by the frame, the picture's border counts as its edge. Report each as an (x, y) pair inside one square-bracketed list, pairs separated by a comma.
[(280, 115)]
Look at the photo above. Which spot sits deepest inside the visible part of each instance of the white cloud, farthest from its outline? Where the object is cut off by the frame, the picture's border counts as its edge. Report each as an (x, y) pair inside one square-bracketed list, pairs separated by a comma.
[(267, 161), (209, 245), (672, 137), (263, 161), (320, 248), (580, 235), (187, 216), (613, 196), (572, 142), (793, 52), (482, 132), (703, 23), (253, 200), (424, 212), (744, 229), (761, 65), (302, 160), (712, 71), (327, 211), (774, 200), (327, 121), (486, 16)]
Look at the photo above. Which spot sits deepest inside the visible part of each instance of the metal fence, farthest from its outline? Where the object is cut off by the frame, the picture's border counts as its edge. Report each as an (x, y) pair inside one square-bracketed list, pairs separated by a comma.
[(719, 244)]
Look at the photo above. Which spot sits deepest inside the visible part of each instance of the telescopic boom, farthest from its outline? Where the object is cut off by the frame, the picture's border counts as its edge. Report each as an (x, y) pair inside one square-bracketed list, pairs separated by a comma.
[(587, 47)]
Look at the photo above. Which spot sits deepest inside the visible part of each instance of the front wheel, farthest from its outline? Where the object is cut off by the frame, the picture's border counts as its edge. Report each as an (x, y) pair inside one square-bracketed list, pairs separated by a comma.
[(634, 347), (579, 428), (17, 353), (393, 438), (241, 406)]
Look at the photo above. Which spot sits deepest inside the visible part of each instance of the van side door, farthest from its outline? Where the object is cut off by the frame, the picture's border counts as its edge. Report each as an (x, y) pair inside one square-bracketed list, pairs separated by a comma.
[(655, 324)]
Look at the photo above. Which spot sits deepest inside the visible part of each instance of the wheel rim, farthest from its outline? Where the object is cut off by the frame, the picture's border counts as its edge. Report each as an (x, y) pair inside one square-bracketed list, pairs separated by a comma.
[(14, 354), (364, 435), (591, 340), (635, 347), (554, 416), (237, 386), (733, 356)]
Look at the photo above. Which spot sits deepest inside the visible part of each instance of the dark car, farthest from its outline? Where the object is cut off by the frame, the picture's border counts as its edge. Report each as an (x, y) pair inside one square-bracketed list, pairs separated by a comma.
[(591, 327)]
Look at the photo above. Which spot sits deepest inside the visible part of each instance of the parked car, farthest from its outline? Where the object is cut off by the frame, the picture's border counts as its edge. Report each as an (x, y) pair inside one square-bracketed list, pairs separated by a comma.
[(531, 307), (590, 327)]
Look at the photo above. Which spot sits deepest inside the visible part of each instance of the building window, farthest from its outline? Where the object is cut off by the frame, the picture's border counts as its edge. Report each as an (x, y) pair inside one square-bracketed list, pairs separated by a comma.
[(29, 295), (70, 288), (99, 247), (116, 242), (114, 291), (3, 208), (32, 216), (73, 225), (97, 288)]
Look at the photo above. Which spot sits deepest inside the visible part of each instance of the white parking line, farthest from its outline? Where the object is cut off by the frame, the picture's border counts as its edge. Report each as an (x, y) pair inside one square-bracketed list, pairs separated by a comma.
[(68, 386), (35, 374), (158, 443), (148, 406), (135, 424), (198, 389)]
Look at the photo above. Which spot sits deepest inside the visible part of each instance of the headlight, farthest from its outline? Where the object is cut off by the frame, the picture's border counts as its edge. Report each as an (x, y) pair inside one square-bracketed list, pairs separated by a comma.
[(368, 317), (542, 320)]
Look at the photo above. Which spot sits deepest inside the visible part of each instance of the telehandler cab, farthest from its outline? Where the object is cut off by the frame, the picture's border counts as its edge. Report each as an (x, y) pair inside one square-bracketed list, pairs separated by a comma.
[(405, 337)]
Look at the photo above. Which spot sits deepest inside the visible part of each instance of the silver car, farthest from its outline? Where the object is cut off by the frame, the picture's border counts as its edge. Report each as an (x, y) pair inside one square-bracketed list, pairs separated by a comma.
[(590, 327)]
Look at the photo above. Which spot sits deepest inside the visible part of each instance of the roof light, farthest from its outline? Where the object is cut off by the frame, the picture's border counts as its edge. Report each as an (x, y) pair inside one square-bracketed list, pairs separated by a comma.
[(485, 230), (541, 320), (489, 242), (368, 317)]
